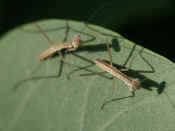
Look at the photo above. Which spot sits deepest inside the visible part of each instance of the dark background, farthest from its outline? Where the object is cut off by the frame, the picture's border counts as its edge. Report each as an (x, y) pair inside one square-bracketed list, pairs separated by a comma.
[(149, 23)]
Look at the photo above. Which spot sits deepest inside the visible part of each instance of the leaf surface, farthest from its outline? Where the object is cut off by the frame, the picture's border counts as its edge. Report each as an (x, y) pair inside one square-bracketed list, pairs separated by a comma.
[(33, 97)]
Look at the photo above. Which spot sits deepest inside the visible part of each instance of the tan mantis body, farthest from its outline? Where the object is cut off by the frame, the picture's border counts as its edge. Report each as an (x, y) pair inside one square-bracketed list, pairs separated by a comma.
[(132, 83), (70, 46)]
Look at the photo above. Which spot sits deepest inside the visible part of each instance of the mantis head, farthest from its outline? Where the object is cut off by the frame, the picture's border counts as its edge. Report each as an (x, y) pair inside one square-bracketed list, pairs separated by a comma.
[(136, 84), (76, 41)]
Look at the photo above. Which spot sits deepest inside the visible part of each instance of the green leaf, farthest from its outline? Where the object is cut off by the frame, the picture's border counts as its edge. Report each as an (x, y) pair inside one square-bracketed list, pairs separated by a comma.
[(33, 97)]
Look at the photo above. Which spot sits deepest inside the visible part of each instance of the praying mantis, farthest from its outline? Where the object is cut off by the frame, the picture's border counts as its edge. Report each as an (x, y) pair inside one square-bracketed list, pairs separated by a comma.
[(133, 84), (69, 46), (55, 48)]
